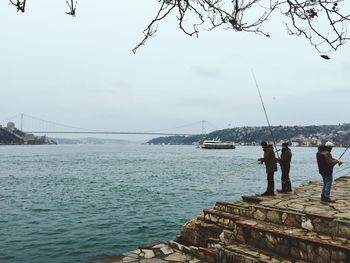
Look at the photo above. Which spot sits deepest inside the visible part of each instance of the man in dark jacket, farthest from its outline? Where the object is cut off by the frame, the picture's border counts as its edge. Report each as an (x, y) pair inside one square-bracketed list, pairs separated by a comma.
[(271, 166), (284, 161), (325, 163)]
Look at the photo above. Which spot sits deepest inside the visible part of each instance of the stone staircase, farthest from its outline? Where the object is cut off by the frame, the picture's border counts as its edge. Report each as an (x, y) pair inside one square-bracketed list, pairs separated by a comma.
[(293, 227)]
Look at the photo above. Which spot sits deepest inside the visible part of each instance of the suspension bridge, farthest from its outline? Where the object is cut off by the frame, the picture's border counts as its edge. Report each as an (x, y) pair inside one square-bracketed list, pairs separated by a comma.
[(41, 126)]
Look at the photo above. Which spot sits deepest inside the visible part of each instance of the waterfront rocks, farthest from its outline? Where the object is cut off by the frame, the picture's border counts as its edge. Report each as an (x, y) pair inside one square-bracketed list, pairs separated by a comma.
[(161, 252), (196, 232), (285, 228)]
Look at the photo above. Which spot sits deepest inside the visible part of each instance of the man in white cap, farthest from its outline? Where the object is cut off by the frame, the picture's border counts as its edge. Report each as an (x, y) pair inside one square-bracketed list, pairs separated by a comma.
[(325, 163)]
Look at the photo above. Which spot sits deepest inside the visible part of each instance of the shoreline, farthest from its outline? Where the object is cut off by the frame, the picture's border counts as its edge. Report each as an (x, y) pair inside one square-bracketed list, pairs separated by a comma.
[(282, 228)]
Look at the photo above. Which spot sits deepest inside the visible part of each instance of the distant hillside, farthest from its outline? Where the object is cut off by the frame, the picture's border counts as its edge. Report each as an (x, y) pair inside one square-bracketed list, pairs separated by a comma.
[(10, 135), (299, 135)]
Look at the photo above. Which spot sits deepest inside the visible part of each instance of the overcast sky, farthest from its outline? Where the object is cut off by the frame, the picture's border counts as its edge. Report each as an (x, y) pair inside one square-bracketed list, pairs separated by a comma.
[(81, 72)]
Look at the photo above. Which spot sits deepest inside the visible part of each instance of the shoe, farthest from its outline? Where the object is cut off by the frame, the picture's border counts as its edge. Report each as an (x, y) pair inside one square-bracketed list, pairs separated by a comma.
[(327, 200), (281, 191), (267, 194)]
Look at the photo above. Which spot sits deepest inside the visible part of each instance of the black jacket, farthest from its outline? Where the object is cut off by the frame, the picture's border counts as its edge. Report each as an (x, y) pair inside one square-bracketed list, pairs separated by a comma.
[(286, 157), (325, 161)]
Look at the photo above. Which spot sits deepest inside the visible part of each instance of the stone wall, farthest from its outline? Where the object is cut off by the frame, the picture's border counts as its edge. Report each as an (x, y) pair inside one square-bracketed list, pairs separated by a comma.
[(282, 228)]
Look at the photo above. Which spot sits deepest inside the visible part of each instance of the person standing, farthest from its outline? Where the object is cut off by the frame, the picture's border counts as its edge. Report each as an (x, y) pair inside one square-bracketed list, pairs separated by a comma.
[(284, 161), (325, 163), (270, 161)]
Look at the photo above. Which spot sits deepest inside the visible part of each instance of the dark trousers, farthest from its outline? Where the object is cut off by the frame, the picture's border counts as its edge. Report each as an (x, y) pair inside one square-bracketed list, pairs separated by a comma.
[(270, 183), (285, 180), (327, 184)]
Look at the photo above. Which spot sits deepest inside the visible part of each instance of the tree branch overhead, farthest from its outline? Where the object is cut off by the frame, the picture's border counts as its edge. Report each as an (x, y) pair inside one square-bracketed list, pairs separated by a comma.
[(322, 22)]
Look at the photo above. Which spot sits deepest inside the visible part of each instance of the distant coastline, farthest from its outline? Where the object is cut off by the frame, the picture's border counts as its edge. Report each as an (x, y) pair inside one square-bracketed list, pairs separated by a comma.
[(312, 135), (10, 135)]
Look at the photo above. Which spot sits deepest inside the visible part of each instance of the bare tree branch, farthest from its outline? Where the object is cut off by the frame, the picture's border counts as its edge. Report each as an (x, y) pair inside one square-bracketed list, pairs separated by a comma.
[(72, 7), (322, 22), (319, 21), (20, 5)]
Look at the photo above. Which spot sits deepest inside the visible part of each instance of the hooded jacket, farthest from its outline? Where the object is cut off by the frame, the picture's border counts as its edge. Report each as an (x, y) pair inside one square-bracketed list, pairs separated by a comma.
[(325, 161), (269, 159), (286, 157)]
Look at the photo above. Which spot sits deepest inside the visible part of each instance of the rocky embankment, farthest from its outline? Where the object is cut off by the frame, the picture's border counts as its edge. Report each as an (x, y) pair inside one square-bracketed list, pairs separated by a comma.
[(295, 227)]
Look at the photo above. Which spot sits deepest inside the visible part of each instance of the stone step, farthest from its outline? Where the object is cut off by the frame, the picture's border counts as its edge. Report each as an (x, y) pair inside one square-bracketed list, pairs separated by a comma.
[(319, 223), (206, 255), (214, 243), (252, 199), (222, 219), (293, 243), (245, 253), (290, 240), (210, 255), (236, 208)]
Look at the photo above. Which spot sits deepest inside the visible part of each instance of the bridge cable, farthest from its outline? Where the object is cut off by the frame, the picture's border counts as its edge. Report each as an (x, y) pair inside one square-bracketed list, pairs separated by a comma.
[(59, 124), (11, 118), (182, 126)]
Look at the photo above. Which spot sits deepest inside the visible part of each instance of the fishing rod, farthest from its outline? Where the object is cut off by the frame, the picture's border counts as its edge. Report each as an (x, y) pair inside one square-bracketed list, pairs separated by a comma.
[(267, 118), (344, 152)]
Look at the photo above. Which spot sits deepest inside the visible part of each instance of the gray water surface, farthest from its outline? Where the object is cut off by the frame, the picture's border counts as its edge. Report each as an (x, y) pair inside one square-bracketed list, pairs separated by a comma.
[(75, 203)]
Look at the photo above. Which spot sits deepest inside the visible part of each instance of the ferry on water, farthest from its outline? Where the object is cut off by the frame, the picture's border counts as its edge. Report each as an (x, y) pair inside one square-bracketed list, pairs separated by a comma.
[(217, 144)]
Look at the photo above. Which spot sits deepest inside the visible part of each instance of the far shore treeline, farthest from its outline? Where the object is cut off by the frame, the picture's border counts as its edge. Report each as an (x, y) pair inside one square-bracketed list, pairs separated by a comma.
[(312, 135)]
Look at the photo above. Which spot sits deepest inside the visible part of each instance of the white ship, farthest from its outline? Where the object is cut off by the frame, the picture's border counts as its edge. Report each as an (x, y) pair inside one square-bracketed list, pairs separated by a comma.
[(217, 144)]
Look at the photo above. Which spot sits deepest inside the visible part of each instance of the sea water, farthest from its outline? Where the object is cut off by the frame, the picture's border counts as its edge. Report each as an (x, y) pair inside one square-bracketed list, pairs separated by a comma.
[(76, 203)]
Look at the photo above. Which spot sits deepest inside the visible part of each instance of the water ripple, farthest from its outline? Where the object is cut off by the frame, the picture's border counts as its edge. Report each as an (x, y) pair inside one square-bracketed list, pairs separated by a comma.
[(74, 203)]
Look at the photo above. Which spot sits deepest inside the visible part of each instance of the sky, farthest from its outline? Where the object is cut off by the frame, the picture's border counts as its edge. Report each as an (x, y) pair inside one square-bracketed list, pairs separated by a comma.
[(80, 71)]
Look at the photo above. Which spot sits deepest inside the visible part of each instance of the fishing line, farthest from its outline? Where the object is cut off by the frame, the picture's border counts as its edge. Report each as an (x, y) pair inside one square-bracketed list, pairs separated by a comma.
[(219, 178), (267, 118), (343, 169)]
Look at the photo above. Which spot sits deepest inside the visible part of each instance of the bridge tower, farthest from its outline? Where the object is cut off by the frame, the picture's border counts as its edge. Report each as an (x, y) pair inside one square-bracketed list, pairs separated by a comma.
[(21, 121), (204, 127)]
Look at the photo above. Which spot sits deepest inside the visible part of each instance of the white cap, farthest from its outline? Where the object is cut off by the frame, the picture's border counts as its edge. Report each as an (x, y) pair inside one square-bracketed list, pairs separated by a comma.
[(329, 144)]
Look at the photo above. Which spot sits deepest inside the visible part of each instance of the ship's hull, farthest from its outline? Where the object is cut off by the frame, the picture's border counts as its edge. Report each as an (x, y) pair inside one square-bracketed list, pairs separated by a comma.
[(218, 146)]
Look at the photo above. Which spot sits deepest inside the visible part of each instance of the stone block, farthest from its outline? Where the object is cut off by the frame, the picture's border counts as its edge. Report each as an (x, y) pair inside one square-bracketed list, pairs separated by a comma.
[(292, 220), (339, 256), (306, 223), (177, 257), (283, 250), (274, 216), (148, 253), (310, 252), (324, 254), (259, 215), (343, 230)]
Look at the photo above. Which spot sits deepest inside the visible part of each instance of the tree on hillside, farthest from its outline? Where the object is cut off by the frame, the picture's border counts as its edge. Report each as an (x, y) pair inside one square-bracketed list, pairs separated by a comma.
[(322, 22)]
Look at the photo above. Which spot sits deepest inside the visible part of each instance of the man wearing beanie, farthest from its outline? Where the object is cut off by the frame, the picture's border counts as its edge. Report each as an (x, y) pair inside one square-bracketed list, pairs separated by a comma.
[(271, 166), (284, 161), (325, 163)]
